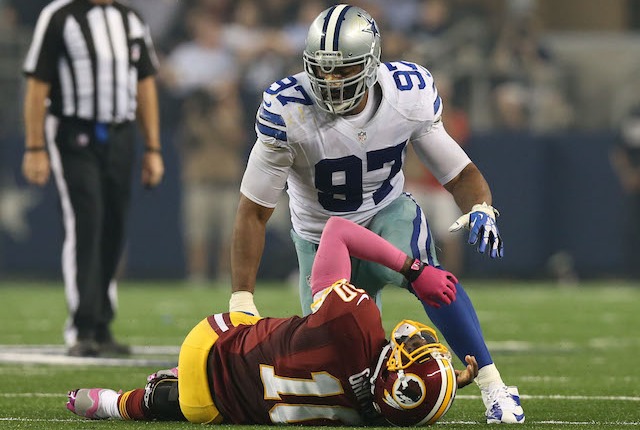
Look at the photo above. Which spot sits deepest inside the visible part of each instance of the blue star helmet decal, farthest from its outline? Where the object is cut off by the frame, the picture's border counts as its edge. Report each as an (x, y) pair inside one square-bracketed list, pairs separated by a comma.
[(373, 28)]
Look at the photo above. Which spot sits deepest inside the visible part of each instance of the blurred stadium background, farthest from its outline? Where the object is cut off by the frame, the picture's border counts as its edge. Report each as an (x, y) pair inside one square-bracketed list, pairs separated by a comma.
[(540, 89), (542, 86)]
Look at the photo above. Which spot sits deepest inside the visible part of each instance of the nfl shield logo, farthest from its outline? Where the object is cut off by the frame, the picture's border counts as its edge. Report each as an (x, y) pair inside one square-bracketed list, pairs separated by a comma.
[(362, 136)]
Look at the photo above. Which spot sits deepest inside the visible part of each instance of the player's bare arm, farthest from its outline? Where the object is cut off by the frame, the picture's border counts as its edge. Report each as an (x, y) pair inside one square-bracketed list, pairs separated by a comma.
[(473, 195), (469, 187), (247, 245)]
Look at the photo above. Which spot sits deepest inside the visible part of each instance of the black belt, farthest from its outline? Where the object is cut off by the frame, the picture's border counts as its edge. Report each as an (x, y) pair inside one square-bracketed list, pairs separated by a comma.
[(101, 130), (91, 123)]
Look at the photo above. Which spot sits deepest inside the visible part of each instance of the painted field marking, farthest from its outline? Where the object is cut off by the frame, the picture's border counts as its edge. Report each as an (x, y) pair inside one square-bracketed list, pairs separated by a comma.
[(158, 356), (561, 397)]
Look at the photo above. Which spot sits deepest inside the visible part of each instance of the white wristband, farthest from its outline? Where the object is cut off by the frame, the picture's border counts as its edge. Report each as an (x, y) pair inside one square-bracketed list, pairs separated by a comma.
[(488, 209), (463, 221), (242, 301)]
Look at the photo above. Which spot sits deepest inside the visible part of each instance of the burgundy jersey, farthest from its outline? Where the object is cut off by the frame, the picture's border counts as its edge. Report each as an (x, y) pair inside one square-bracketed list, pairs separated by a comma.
[(314, 369)]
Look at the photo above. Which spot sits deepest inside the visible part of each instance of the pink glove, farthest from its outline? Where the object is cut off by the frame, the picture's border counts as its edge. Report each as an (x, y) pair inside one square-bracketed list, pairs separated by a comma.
[(432, 285)]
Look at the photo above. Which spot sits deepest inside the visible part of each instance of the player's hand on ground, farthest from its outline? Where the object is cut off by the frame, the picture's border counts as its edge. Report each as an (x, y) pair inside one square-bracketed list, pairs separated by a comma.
[(435, 286), (483, 229), (466, 376)]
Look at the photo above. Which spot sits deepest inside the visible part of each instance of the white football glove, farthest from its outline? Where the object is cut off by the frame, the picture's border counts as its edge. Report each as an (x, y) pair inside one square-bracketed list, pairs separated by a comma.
[(242, 301), (481, 222)]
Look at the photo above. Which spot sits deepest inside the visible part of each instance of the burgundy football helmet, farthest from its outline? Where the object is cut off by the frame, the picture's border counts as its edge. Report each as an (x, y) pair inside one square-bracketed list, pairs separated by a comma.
[(414, 382)]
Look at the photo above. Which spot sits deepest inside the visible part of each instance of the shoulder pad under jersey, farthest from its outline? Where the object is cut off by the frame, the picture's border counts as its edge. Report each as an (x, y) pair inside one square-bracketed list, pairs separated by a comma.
[(279, 112), (411, 89)]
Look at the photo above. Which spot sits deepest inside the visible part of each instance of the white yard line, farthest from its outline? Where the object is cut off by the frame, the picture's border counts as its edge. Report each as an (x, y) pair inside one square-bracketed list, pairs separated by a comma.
[(561, 397), (61, 349), (159, 356)]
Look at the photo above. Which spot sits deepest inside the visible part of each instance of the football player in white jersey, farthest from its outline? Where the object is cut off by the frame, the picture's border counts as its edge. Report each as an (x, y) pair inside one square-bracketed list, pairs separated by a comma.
[(336, 136)]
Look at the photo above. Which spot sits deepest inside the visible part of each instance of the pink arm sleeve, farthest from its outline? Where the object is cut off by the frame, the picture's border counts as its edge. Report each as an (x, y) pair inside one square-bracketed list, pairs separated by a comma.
[(342, 238)]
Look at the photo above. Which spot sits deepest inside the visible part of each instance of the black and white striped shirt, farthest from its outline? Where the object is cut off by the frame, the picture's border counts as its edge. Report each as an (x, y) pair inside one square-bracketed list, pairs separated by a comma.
[(93, 57)]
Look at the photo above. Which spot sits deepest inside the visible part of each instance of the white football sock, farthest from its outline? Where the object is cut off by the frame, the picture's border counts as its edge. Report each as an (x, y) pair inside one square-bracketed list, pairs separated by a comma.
[(488, 375), (109, 405)]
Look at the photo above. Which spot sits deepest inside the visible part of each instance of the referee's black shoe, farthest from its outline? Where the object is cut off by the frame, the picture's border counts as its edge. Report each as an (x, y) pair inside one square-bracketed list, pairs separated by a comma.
[(83, 348), (110, 347)]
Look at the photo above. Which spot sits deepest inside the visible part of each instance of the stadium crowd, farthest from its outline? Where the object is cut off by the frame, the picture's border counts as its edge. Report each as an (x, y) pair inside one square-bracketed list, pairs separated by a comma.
[(493, 54), (217, 56)]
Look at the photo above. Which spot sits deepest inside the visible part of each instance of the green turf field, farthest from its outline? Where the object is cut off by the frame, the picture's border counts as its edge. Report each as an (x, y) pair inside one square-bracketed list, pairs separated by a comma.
[(572, 352)]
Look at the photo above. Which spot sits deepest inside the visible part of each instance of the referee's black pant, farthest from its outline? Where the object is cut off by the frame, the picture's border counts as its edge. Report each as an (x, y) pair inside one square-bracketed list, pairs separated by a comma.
[(93, 169)]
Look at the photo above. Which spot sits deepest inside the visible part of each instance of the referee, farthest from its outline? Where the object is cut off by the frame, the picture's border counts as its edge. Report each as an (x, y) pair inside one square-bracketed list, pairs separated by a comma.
[(90, 73)]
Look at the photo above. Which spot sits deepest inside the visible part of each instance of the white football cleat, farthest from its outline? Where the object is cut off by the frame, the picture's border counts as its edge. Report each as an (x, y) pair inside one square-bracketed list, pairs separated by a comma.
[(93, 403), (503, 404)]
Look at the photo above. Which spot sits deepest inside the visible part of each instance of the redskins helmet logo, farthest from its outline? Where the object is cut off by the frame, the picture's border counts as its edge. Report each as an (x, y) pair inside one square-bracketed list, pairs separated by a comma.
[(407, 392)]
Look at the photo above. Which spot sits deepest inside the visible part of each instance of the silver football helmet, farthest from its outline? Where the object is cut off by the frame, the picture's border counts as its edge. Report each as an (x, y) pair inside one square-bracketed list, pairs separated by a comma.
[(341, 57)]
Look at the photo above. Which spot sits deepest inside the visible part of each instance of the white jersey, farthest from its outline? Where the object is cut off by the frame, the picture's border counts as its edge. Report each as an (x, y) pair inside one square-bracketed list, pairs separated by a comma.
[(332, 167)]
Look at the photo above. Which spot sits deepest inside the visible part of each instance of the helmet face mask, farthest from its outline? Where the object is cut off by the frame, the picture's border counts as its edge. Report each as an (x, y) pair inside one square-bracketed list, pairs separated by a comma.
[(414, 382), (342, 37), (340, 87), (414, 342)]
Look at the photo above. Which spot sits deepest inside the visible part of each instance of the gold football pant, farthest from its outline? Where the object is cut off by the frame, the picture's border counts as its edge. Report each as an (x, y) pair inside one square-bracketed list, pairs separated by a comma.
[(196, 400)]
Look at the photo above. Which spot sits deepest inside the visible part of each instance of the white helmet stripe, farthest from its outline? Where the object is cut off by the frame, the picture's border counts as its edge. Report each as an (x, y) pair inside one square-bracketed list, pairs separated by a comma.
[(332, 23)]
